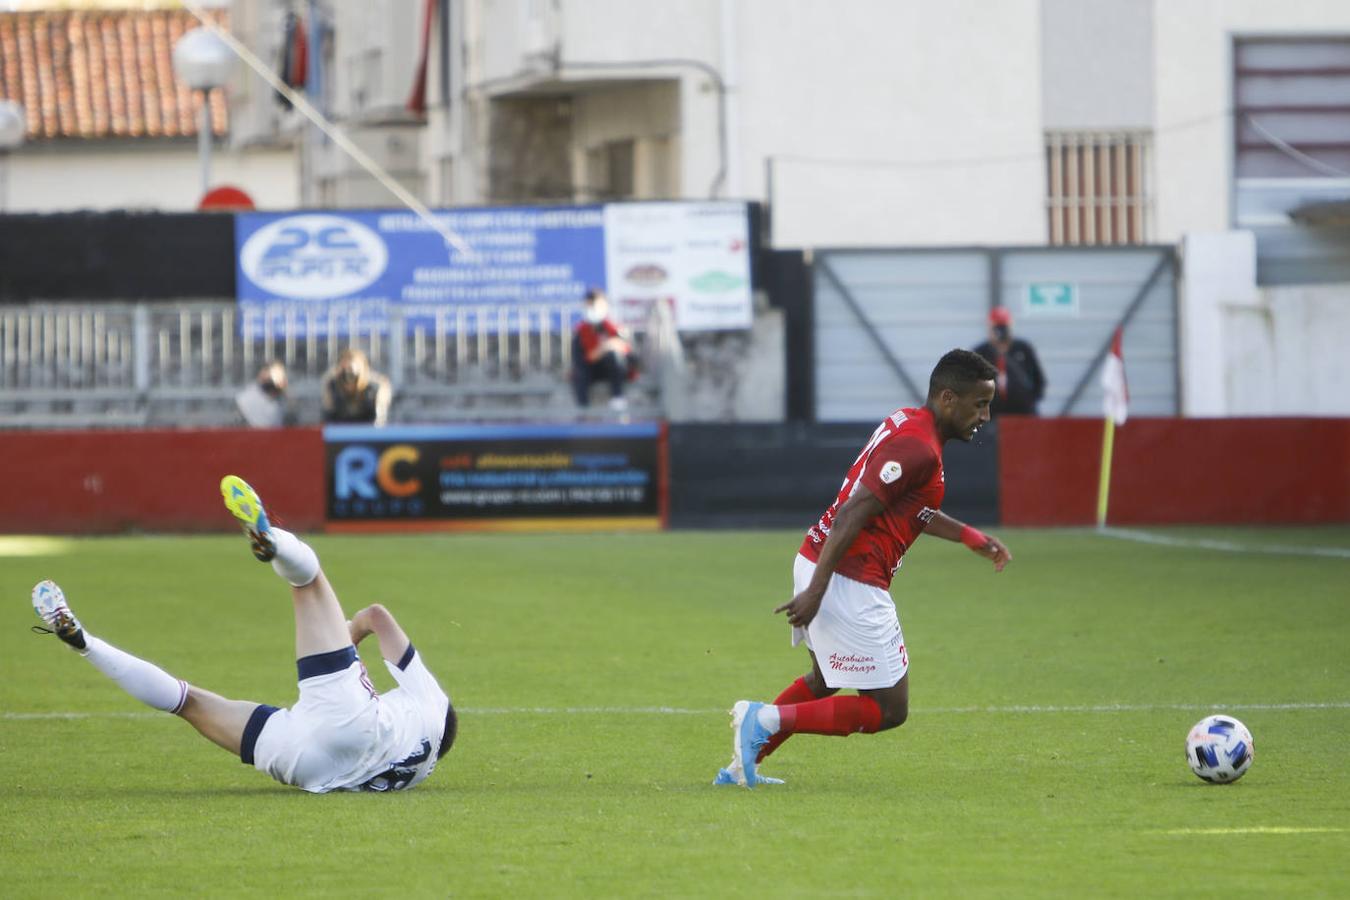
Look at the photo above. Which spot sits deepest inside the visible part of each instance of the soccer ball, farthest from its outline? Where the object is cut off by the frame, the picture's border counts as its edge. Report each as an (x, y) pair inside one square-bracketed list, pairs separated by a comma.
[(1219, 749)]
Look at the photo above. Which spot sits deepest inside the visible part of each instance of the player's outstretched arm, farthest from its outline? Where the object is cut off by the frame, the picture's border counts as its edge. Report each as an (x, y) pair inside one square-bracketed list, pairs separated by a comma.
[(377, 620), (991, 548)]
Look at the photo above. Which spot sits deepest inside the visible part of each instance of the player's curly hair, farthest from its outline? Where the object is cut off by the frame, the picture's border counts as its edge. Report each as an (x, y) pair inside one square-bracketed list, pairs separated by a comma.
[(451, 729), (959, 371)]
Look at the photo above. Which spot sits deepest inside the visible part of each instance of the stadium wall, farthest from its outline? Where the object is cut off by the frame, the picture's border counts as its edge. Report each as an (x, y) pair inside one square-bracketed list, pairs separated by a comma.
[(784, 475), (97, 482), (1023, 472), (1177, 471)]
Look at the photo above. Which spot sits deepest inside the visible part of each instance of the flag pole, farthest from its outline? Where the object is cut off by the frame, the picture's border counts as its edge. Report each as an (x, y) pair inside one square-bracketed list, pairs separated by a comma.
[(1104, 482)]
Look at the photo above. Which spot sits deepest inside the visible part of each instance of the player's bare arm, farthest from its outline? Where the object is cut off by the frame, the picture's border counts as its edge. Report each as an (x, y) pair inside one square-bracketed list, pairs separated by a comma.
[(377, 620), (861, 508), (991, 548)]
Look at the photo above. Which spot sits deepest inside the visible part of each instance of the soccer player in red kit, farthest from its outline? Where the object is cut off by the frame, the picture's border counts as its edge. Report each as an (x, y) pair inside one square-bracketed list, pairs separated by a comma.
[(843, 609)]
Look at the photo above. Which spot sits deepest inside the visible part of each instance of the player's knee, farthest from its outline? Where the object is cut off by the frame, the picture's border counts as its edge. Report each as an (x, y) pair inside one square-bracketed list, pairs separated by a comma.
[(817, 686), (893, 715)]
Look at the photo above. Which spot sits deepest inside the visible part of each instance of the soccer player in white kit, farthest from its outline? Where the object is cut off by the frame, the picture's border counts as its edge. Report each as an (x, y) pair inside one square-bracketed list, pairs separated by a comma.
[(842, 609), (341, 734)]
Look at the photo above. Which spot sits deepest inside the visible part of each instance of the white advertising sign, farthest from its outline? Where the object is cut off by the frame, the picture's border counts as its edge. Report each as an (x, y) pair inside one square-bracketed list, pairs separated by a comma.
[(693, 256)]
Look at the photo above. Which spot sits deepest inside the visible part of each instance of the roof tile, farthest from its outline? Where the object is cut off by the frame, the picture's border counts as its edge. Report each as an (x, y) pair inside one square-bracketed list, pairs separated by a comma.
[(100, 74)]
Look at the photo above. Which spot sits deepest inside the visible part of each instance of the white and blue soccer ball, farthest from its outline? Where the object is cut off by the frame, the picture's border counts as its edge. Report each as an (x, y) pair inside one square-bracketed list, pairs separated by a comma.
[(1219, 749)]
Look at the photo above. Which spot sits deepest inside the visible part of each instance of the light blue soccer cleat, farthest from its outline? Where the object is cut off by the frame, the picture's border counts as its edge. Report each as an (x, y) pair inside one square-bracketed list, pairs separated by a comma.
[(247, 508), (737, 777), (749, 738), (49, 602)]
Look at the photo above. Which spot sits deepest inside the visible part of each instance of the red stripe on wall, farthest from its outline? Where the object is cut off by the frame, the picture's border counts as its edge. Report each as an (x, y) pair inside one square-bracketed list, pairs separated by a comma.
[(1176, 471), (78, 482)]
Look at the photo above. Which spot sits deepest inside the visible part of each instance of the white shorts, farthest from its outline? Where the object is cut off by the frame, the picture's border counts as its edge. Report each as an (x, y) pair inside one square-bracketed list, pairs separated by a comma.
[(323, 737), (855, 635)]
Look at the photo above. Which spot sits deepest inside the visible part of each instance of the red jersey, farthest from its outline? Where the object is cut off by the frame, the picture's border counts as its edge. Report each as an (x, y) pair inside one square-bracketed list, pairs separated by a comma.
[(590, 335), (902, 466)]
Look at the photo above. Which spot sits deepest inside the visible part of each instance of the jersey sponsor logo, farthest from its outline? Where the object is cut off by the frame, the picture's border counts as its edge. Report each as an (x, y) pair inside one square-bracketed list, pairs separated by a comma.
[(926, 514), (890, 472)]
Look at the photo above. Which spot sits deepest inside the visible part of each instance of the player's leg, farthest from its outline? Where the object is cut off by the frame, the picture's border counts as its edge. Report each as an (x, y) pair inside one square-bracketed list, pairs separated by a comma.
[(810, 686), (320, 626), (754, 724), (872, 710), (145, 681), (893, 703), (805, 689), (221, 721), (857, 631)]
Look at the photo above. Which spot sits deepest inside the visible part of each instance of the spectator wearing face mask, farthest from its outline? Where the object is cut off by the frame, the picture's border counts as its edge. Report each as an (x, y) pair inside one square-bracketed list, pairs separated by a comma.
[(264, 403), (1021, 383), (601, 352), (353, 392)]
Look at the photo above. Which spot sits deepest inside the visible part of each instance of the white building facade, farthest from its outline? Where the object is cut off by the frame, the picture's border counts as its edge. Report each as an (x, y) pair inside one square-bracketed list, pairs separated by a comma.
[(871, 123)]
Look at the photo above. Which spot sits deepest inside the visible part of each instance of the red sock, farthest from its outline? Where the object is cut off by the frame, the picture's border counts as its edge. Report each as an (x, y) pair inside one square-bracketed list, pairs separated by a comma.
[(797, 692), (833, 715)]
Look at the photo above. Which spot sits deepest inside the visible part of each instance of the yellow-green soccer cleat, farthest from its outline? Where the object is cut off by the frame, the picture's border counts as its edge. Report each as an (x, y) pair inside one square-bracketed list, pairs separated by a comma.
[(243, 503)]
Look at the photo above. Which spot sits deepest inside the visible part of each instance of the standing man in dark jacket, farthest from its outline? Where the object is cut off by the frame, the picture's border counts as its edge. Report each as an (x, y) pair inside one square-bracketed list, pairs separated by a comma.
[(1021, 383)]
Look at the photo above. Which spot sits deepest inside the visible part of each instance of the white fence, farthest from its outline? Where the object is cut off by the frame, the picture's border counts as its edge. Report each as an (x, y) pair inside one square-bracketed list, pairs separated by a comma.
[(181, 363)]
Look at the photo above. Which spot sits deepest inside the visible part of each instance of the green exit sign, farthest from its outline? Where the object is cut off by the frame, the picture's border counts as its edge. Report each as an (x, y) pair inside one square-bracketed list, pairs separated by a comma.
[(1053, 298)]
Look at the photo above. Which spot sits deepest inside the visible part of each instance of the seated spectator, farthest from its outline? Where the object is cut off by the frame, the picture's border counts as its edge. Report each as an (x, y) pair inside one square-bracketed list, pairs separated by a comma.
[(353, 392), (264, 404), (601, 352)]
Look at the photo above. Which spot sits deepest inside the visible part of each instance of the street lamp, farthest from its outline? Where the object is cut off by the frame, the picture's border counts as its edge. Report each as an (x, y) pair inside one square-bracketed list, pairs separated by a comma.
[(202, 61), (13, 124)]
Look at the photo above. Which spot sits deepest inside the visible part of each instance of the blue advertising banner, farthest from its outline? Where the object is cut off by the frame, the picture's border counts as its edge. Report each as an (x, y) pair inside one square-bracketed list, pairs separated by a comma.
[(351, 271), (473, 477)]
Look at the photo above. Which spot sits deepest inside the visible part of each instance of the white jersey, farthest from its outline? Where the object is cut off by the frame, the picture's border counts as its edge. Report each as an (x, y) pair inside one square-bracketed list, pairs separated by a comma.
[(343, 736), (412, 723)]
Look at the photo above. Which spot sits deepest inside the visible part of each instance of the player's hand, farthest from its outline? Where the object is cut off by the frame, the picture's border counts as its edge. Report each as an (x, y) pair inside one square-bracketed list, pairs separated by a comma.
[(802, 608), (994, 549)]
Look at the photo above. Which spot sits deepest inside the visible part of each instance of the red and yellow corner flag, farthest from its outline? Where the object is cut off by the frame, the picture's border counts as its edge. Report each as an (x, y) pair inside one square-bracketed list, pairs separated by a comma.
[(1116, 406)]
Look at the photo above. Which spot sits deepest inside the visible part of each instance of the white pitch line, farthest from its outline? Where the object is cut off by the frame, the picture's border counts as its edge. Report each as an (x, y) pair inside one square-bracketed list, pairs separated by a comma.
[(1255, 829), (679, 711), (1145, 537)]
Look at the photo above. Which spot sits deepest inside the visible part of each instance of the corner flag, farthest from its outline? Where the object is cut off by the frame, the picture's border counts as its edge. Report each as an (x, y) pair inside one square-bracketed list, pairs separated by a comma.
[(1115, 393), (1115, 405)]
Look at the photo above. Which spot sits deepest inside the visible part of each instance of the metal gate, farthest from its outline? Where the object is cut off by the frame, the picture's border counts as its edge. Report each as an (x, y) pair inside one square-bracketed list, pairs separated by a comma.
[(883, 317)]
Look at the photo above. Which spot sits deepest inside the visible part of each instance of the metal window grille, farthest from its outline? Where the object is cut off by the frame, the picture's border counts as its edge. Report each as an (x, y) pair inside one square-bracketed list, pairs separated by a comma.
[(1291, 108), (1100, 187)]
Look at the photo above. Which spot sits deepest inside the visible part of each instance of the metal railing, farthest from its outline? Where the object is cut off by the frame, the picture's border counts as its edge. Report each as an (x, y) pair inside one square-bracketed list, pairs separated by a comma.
[(80, 362)]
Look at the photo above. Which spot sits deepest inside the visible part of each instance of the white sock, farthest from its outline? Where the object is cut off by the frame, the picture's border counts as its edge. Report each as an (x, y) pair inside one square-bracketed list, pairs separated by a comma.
[(769, 718), (295, 561), (145, 681)]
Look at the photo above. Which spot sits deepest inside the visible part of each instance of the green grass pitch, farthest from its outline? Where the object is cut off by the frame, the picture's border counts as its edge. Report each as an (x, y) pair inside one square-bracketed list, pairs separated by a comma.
[(1043, 755)]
